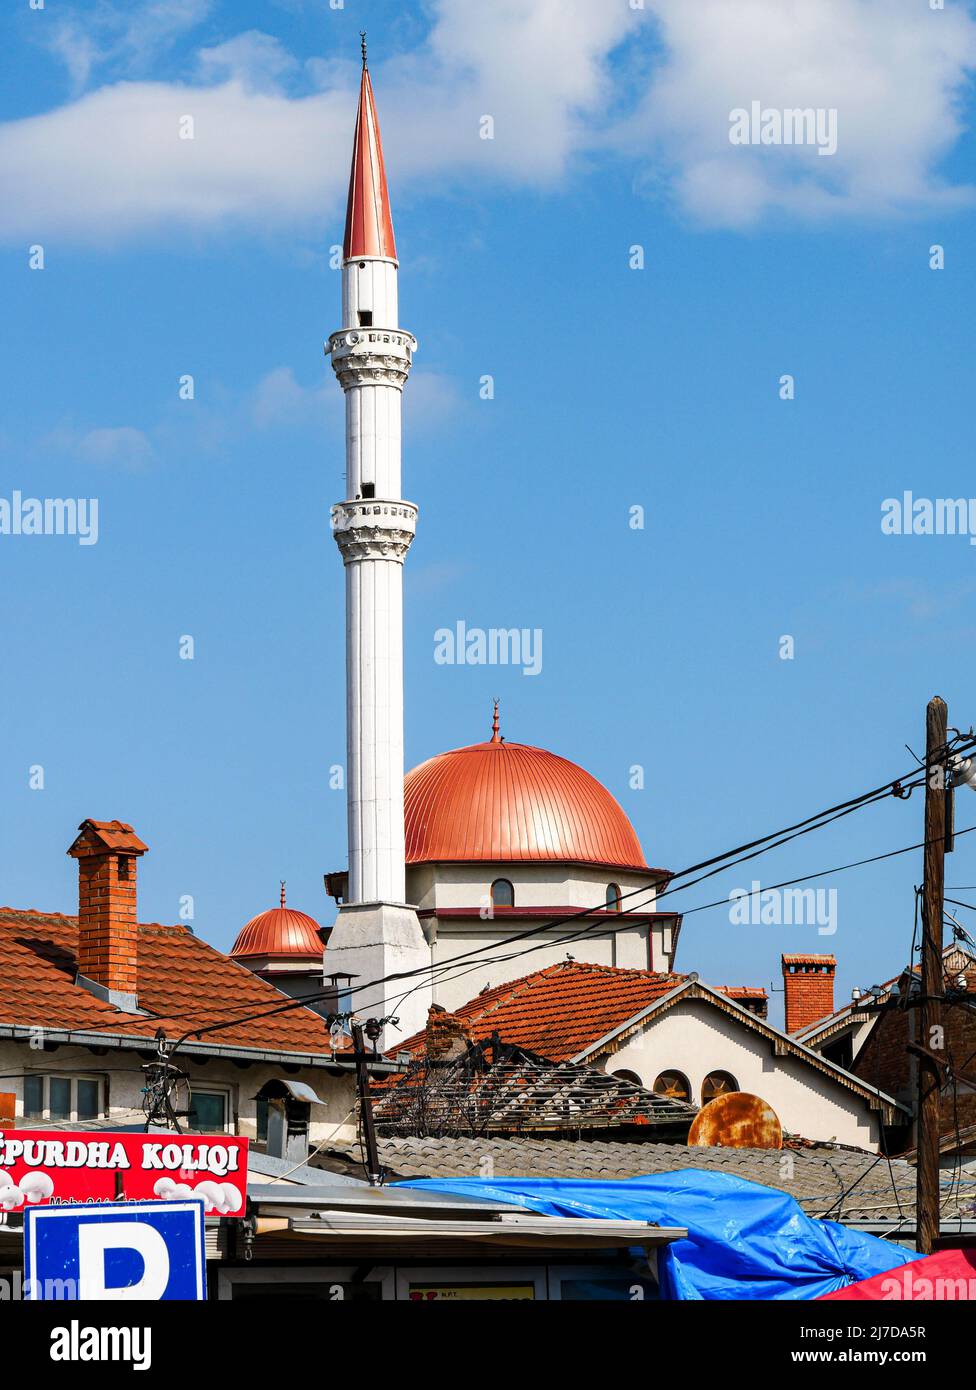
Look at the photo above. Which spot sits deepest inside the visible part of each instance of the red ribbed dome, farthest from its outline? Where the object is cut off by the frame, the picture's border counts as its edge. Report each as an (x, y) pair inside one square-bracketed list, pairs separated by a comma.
[(281, 931), (501, 802)]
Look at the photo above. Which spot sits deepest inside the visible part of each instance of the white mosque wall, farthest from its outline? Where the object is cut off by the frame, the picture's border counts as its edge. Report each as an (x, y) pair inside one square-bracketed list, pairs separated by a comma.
[(447, 887), (695, 1038), (536, 885)]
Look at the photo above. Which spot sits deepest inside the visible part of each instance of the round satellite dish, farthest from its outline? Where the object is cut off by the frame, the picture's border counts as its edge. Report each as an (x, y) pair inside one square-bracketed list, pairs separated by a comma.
[(736, 1121)]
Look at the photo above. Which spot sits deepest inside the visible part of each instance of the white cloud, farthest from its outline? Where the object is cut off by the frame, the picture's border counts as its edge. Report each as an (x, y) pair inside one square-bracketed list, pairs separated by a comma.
[(431, 399), (121, 447), (267, 155), (894, 70), (255, 59), (279, 399), (127, 37)]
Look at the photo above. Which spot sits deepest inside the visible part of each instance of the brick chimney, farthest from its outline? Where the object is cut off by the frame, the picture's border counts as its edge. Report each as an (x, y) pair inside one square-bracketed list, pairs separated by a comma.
[(107, 854), (808, 982), (446, 1035)]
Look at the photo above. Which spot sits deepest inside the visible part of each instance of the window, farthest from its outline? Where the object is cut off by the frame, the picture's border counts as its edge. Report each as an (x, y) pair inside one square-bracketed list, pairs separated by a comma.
[(33, 1096), (262, 1108), (718, 1083), (502, 893), (369, 490), (365, 318), (66, 1098), (630, 1076), (208, 1111), (613, 897), (59, 1098), (87, 1105), (674, 1085), (124, 862)]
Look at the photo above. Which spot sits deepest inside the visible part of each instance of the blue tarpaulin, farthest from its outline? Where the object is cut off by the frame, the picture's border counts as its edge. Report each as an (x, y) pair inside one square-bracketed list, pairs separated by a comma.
[(744, 1240)]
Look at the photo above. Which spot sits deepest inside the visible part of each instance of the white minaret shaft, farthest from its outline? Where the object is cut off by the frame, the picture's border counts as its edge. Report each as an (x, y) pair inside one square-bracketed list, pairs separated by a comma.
[(374, 525), (377, 943)]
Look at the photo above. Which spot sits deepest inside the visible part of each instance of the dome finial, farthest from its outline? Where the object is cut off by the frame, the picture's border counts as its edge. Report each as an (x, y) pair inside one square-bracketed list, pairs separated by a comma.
[(495, 737), (362, 41), (282, 882)]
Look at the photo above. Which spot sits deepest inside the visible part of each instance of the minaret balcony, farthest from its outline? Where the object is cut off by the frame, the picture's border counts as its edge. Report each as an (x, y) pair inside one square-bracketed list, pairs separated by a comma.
[(374, 529), (371, 356)]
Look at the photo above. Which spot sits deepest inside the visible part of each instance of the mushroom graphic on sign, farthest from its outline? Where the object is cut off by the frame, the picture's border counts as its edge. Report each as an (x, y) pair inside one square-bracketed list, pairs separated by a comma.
[(32, 1187), (220, 1197)]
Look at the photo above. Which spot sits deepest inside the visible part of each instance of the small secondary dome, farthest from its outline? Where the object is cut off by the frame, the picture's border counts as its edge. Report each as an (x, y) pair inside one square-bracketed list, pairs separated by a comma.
[(500, 802), (281, 931)]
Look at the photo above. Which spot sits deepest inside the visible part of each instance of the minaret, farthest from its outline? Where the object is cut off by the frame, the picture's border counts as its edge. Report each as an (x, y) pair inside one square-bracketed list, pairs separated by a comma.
[(376, 933)]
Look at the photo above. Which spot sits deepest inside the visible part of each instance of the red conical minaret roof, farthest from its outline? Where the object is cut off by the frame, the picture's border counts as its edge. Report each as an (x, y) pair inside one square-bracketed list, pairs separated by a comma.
[(369, 226)]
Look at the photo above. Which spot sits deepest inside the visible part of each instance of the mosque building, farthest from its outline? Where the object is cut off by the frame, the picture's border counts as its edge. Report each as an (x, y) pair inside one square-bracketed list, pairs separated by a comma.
[(499, 881)]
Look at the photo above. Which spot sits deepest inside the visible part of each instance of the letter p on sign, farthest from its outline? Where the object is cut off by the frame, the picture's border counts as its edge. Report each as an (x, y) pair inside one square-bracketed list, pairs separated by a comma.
[(133, 1250), (99, 1241)]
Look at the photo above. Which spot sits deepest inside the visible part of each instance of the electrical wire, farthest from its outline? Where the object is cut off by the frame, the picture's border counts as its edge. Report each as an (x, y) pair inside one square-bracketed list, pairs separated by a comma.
[(768, 842), (425, 971), (899, 787)]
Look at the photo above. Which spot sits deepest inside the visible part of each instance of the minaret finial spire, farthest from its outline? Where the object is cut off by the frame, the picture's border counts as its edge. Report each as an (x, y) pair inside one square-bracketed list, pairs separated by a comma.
[(495, 736), (282, 882), (369, 224), (362, 41)]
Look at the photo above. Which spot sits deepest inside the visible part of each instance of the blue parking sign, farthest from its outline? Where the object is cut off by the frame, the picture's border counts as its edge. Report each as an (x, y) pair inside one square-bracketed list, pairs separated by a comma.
[(116, 1250)]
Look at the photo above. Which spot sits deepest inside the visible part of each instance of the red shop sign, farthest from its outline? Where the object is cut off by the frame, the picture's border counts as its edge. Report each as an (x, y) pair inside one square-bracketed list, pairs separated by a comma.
[(49, 1166)]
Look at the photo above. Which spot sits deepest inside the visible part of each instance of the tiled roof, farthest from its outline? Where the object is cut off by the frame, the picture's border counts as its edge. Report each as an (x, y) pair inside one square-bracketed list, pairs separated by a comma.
[(842, 1184), (559, 1011), (181, 982), (114, 835), (575, 1012)]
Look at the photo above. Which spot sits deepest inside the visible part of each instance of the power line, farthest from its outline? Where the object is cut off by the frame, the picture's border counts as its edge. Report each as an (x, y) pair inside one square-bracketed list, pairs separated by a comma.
[(599, 934), (900, 787), (448, 967)]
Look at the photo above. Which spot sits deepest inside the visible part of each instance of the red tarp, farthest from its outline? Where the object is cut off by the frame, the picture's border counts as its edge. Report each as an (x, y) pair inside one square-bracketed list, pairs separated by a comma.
[(951, 1274)]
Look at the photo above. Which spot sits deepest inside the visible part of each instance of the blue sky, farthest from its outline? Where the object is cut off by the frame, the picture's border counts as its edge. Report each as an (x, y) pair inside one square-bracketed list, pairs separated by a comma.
[(614, 388)]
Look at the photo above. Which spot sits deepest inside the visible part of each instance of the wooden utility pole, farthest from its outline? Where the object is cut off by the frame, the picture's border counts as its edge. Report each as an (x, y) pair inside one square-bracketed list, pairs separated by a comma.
[(373, 1171), (928, 1039)]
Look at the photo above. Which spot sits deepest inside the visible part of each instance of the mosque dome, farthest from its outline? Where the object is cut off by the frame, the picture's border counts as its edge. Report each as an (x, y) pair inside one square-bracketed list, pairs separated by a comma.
[(279, 932), (501, 802)]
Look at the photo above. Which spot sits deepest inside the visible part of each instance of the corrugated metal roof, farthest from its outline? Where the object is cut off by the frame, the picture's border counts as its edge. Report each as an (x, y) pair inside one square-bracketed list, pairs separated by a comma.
[(828, 1181)]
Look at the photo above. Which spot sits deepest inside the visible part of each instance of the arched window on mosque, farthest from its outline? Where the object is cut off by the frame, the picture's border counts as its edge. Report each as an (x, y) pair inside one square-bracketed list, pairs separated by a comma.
[(674, 1085), (718, 1083), (630, 1076), (502, 893), (613, 897)]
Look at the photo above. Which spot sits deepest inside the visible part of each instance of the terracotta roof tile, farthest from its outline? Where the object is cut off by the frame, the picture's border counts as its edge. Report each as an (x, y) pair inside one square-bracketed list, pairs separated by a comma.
[(181, 982), (559, 1011)]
